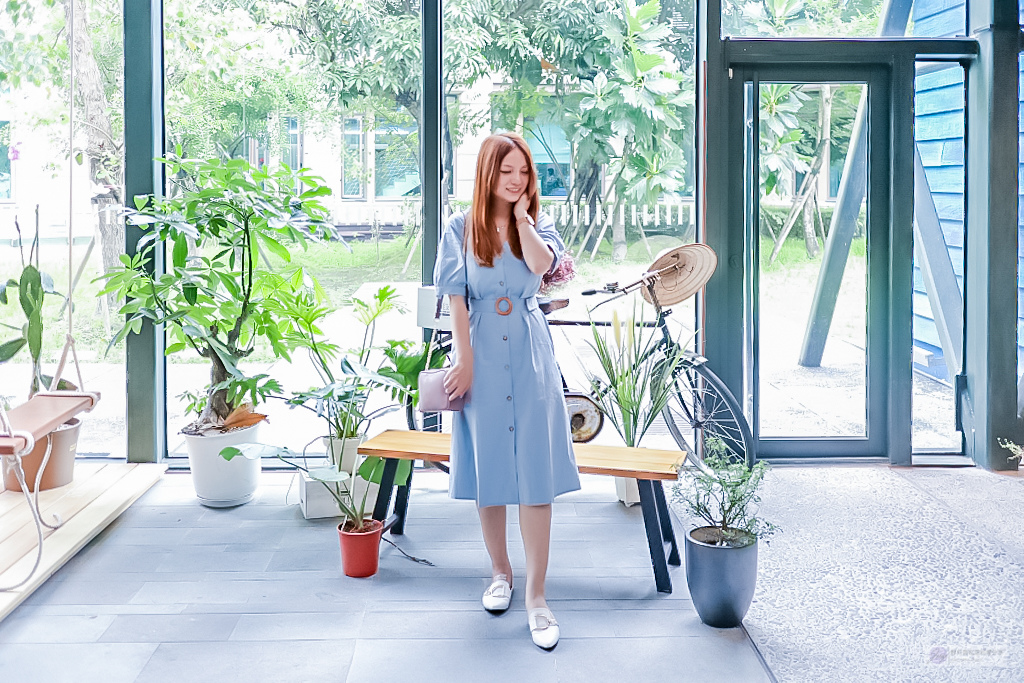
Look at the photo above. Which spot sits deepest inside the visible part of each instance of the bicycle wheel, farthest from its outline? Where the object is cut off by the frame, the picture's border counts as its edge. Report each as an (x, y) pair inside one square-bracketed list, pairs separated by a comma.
[(702, 407)]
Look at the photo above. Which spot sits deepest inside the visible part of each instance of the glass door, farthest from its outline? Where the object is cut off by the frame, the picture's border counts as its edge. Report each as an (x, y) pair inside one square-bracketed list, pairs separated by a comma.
[(817, 225)]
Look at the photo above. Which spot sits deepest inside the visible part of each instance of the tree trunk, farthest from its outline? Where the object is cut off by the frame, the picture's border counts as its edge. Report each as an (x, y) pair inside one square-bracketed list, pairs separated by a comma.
[(102, 151), (618, 240), (217, 408)]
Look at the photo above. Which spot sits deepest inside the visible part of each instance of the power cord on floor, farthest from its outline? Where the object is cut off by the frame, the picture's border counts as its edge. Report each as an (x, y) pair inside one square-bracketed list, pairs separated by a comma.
[(418, 560)]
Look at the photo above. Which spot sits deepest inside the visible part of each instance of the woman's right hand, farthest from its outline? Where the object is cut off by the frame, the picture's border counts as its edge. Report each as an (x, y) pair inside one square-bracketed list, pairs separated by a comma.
[(458, 379)]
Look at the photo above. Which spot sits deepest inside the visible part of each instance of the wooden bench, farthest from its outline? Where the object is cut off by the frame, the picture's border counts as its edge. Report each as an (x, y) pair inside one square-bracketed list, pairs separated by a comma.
[(648, 466)]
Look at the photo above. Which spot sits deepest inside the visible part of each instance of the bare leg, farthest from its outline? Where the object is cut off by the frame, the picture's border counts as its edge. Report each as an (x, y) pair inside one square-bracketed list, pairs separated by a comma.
[(492, 521), (535, 525)]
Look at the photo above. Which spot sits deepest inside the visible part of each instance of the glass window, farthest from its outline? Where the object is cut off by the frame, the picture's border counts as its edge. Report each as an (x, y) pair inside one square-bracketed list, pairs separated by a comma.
[(939, 238), (7, 155), (840, 18), (352, 159), (603, 93), (551, 156), (333, 87), (396, 156), (76, 200), (293, 153)]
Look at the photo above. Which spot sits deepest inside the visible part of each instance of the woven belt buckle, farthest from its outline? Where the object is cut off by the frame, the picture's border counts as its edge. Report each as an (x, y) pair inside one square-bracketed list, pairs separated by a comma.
[(503, 310)]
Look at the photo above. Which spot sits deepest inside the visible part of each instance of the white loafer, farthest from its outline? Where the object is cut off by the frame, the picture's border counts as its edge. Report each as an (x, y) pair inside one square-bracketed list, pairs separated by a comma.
[(498, 595), (543, 628)]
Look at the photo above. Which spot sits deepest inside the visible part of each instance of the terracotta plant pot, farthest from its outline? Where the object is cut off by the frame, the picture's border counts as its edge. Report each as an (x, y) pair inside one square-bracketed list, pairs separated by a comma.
[(360, 551), (60, 468)]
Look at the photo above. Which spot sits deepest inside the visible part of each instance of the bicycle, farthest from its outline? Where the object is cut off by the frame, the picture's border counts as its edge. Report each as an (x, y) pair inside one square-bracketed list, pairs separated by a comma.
[(700, 407)]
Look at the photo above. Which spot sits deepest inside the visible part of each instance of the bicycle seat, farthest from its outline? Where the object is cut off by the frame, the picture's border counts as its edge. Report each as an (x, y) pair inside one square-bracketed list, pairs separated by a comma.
[(547, 305)]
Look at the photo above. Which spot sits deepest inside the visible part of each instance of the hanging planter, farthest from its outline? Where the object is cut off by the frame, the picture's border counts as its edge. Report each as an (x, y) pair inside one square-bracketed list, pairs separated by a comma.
[(360, 550)]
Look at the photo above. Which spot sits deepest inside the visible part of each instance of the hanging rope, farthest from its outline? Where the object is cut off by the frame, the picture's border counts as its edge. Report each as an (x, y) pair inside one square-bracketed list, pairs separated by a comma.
[(15, 461), (69, 340)]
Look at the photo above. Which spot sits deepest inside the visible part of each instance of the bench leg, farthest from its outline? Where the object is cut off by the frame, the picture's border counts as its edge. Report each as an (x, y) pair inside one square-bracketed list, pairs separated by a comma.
[(667, 534), (387, 483), (652, 524), (402, 506)]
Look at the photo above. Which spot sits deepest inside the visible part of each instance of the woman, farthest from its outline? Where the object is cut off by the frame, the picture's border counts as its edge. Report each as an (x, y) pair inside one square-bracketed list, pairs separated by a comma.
[(511, 443)]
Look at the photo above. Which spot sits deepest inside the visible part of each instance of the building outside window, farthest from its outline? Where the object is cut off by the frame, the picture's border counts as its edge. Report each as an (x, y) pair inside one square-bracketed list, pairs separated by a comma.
[(551, 156), (6, 189), (353, 159), (396, 167), (293, 151)]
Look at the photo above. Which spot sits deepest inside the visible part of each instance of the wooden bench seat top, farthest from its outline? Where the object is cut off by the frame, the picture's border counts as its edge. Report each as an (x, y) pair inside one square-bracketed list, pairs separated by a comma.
[(41, 415), (618, 461)]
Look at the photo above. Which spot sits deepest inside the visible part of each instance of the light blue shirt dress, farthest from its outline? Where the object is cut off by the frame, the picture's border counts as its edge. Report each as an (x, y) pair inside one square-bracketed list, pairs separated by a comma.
[(511, 442)]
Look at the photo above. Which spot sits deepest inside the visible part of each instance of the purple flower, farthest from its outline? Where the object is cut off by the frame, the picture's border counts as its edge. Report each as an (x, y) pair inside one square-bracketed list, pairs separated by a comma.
[(565, 272), (13, 152)]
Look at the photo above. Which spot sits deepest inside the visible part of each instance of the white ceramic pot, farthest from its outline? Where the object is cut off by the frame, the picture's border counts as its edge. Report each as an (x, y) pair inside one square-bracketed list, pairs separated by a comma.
[(348, 456), (221, 483), (627, 491)]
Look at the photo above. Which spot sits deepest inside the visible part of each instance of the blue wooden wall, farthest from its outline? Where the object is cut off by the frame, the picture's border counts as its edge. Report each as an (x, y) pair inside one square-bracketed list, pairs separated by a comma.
[(939, 131)]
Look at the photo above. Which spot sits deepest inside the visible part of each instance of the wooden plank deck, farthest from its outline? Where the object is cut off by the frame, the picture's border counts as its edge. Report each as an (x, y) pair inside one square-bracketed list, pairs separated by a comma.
[(99, 493)]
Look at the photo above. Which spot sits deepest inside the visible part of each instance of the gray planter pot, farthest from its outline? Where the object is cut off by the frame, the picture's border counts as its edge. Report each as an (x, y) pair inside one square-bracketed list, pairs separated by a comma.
[(721, 579)]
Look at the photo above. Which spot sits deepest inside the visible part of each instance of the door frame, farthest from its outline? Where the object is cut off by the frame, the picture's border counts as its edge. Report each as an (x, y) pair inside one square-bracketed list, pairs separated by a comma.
[(889, 229)]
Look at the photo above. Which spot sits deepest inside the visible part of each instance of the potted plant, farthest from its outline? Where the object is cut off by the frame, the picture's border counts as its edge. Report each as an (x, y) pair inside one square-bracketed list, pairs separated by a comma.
[(632, 383), (346, 482), (342, 398), (721, 557), (32, 287), (218, 299)]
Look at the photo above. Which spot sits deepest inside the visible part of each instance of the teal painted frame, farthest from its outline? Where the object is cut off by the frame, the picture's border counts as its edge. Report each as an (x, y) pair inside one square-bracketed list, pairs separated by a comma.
[(146, 371), (880, 293), (988, 403), (724, 201)]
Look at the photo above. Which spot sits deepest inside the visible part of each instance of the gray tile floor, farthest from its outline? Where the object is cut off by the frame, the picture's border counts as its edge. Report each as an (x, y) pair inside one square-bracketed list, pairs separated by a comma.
[(176, 592)]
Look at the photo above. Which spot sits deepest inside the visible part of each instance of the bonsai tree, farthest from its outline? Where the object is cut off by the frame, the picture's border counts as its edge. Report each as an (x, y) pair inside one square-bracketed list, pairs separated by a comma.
[(216, 297), (724, 493)]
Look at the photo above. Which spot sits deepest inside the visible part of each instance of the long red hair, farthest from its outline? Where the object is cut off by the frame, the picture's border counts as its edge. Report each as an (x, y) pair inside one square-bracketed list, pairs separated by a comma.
[(482, 216)]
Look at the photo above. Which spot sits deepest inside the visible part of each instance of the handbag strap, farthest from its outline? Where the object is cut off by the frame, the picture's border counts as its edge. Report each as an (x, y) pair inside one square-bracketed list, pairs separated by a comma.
[(433, 334)]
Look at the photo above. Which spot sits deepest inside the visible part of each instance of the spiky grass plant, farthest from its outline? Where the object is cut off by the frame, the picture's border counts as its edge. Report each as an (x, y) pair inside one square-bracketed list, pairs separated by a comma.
[(635, 377)]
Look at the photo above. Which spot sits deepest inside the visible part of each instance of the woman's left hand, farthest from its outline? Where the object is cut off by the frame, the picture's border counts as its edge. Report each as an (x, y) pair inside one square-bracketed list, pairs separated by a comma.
[(521, 207)]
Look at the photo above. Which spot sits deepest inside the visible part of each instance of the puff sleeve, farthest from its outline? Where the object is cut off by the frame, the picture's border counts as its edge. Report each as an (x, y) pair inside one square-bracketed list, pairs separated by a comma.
[(549, 234), (450, 267)]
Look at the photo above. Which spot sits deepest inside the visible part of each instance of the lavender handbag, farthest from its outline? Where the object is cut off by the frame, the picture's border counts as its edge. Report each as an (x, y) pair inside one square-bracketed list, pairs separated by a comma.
[(433, 397)]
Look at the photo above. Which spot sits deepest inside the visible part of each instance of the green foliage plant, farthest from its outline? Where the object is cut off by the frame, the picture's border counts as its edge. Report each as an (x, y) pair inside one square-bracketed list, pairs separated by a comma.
[(724, 493), (1016, 452), (635, 375), (347, 384), (216, 296), (407, 360), (32, 287)]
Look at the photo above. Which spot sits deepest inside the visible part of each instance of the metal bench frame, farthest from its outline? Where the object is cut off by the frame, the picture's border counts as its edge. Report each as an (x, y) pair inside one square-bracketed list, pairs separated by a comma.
[(657, 519)]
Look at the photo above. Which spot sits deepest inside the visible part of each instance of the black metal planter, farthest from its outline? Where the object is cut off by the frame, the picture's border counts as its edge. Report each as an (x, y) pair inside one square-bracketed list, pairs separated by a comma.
[(721, 580)]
